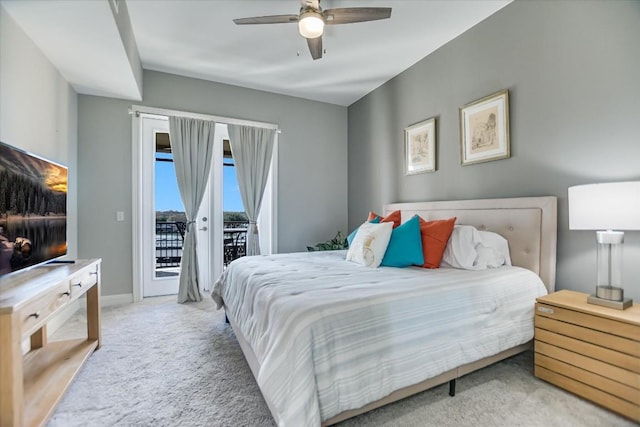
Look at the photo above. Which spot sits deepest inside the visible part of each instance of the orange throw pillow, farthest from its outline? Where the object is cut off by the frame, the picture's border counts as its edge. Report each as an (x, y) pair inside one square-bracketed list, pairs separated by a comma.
[(435, 235), (395, 217)]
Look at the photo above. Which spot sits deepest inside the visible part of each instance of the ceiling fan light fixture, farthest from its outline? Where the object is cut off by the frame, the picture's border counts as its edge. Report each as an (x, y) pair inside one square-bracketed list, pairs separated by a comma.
[(311, 24)]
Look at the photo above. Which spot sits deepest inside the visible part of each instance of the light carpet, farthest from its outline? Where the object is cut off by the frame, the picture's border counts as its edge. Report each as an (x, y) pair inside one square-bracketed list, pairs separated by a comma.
[(168, 364)]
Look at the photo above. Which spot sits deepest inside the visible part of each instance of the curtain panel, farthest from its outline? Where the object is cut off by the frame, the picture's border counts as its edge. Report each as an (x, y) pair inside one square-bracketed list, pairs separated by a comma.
[(252, 148), (192, 147)]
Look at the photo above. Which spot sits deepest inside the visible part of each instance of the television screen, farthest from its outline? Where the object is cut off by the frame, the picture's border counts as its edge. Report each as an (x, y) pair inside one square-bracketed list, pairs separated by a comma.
[(33, 209)]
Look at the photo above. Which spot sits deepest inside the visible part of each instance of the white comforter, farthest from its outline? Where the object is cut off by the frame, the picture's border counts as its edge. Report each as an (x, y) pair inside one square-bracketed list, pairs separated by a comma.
[(331, 335)]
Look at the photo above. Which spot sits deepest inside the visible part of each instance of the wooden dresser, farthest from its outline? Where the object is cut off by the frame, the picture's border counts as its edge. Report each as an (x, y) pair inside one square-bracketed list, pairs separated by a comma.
[(590, 350), (32, 384)]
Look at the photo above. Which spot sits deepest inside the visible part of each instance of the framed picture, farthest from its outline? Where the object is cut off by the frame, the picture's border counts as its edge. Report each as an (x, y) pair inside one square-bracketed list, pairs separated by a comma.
[(420, 147), (484, 129)]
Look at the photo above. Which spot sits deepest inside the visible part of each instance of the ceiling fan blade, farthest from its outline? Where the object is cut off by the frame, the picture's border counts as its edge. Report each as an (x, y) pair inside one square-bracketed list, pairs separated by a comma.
[(349, 15), (273, 19), (315, 47)]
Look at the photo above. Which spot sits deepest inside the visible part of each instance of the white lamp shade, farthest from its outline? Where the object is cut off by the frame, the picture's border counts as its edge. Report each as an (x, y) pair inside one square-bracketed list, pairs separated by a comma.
[(612, 206)]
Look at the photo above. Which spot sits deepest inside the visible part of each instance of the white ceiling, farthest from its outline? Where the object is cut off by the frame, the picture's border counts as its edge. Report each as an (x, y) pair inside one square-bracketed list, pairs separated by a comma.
[(197, 38), (82, 41)]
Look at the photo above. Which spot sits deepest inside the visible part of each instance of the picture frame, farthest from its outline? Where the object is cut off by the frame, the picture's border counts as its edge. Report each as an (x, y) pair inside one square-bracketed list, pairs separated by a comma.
[(484, 129), (420, 147)]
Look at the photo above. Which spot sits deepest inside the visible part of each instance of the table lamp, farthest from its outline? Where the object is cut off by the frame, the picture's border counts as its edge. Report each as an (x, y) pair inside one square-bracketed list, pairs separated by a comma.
[(608, 208)]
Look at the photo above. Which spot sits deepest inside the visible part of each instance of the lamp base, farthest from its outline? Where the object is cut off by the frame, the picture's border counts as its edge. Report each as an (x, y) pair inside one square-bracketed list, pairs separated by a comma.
[(619, 305), (612, 293)]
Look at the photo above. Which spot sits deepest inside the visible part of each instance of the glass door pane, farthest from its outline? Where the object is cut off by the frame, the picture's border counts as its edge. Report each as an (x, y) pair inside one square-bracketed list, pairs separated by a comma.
[(235, 219), (169, 212)]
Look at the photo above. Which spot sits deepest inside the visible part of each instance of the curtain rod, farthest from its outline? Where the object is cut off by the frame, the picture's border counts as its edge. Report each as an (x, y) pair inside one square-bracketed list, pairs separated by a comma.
[(222, 120)]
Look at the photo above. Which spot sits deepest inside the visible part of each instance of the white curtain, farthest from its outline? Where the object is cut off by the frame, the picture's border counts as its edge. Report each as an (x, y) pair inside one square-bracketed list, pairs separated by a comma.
[(251, 148), (192, 147)]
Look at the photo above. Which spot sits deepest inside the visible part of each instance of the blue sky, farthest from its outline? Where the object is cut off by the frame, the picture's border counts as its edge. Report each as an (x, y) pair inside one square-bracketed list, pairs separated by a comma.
[(168, 196)]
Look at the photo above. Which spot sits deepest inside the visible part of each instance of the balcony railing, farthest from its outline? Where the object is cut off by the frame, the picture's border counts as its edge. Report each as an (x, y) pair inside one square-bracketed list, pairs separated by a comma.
[(235, 240), (170, 239), (169, 242)]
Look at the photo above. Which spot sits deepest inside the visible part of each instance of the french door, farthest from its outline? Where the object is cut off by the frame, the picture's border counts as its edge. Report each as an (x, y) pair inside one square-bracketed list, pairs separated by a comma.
[(164, 223), (154, 255)]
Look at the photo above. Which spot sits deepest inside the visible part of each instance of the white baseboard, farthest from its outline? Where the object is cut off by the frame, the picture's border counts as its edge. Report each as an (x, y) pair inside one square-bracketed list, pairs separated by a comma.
[(107, 300)]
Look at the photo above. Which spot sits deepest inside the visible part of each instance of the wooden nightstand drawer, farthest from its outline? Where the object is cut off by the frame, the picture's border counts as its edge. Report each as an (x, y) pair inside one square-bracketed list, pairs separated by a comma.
[(36, 312), (589, 350), (608, 400), (594, 351), (601, 324), (603, 339), (610, 386), (596, 366)]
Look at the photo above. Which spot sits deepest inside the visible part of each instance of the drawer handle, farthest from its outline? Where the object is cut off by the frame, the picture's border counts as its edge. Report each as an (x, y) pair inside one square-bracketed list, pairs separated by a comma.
[(95, 273), (546, 310), (67, 293), (34, 315), (77, 284)]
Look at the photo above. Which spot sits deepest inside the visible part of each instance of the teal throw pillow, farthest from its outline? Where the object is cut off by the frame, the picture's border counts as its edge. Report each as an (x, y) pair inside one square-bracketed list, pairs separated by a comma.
[(405, 246)]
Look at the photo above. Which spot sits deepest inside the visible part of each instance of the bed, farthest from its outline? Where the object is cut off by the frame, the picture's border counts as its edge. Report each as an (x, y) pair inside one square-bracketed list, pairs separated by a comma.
[(325, 347)]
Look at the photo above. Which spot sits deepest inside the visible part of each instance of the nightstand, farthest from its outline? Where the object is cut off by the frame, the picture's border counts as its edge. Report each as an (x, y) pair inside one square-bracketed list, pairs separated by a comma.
[(589, 350)]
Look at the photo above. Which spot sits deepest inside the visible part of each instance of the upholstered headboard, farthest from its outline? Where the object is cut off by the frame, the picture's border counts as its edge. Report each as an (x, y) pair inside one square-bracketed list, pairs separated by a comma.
[(528, 223)]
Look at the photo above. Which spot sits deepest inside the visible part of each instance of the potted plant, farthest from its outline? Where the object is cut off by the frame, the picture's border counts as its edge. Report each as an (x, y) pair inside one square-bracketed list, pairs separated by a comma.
[(337, 243)]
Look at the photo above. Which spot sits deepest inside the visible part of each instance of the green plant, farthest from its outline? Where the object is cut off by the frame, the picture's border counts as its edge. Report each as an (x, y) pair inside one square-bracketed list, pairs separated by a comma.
[(337, 243), (234, 216)]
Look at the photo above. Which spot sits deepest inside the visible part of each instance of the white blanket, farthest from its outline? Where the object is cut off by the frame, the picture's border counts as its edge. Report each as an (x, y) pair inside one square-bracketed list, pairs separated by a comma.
[(331, 335)]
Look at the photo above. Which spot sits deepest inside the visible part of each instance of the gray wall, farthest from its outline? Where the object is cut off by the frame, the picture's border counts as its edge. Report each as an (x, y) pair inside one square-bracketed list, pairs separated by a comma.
[(312, 196), (572, 73), (38, 110)]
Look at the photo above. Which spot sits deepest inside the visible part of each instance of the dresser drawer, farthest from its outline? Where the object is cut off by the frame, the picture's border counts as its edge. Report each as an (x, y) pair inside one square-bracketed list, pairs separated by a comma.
[(36, 312), (79, 282), (613, 342), (609, 326), (623, 391), (612, 357), (627, 408)]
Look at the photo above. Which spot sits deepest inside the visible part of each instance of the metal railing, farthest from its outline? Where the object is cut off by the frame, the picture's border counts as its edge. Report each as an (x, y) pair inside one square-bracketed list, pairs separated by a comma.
[(235, 240), (170, 239), (169, 242)]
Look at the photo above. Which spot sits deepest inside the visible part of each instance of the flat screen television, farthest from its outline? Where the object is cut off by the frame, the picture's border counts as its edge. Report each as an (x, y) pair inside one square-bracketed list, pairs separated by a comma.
[(33, 210)]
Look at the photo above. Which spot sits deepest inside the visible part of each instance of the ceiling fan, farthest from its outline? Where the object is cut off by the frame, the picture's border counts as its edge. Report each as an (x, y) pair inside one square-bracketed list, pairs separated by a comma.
[(312, 19)]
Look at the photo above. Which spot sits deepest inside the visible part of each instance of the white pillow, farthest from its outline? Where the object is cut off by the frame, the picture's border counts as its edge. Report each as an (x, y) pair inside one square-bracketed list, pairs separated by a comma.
[(370, 244), (499, 247), (460, 251), (471, 249)]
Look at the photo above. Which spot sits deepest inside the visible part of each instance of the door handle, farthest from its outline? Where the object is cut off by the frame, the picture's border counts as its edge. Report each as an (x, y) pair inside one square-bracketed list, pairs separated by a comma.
[(204, 229)]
